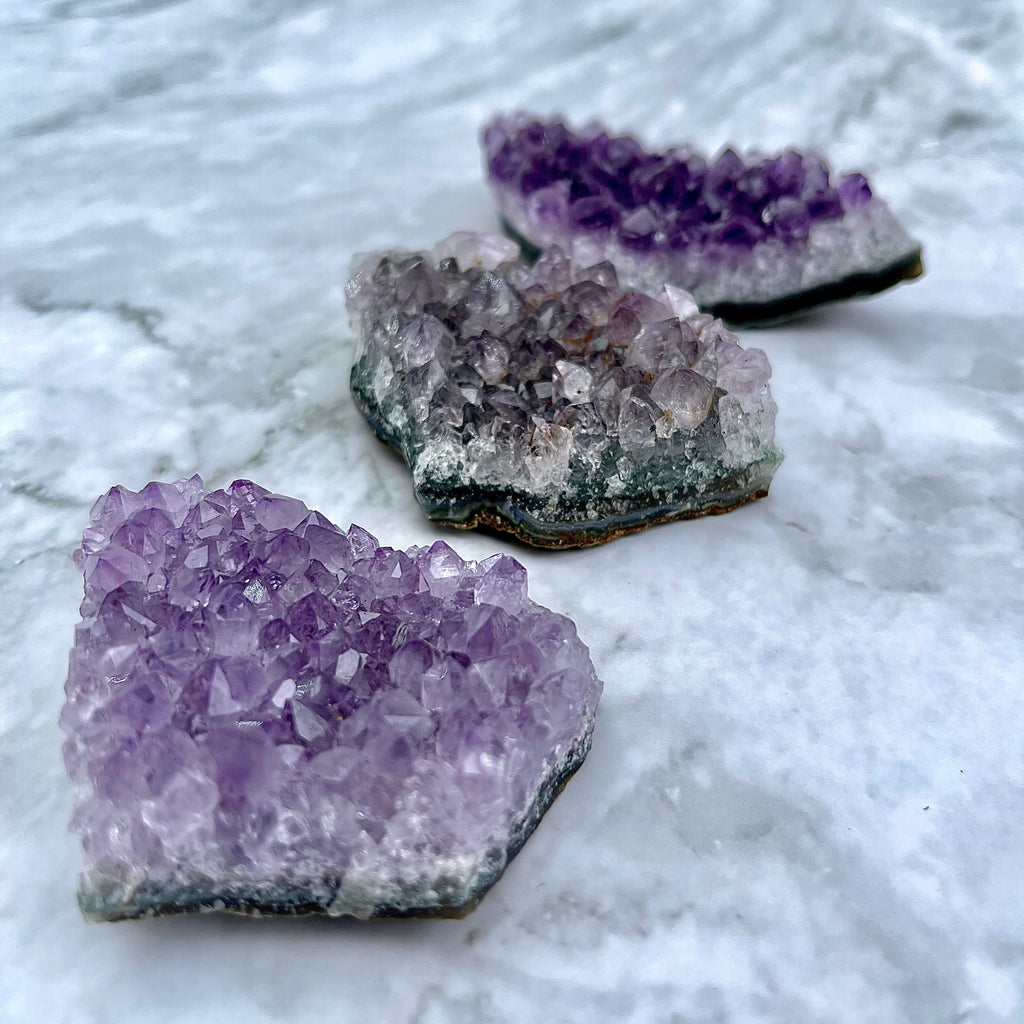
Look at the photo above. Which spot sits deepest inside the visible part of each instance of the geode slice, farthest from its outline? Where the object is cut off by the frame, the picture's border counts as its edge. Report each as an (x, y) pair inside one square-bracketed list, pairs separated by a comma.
[(548, 401), (266, 714), (755, 240)]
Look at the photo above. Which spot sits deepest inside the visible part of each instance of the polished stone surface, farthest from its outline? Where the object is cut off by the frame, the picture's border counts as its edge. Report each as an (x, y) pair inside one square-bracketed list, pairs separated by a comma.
[(806, 793)]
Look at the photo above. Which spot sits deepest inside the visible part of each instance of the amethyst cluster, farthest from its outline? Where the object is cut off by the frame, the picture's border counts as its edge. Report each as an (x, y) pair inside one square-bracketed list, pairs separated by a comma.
[(754, 240), (267, 714), (551, 402)]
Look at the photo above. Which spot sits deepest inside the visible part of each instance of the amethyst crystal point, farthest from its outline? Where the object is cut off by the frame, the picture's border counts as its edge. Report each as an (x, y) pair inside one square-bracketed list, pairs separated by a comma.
[(754, 240), (268, 715), (551, 403)]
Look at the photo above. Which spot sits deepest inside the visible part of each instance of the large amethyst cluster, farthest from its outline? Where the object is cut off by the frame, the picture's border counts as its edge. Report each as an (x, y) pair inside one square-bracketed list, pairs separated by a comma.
[(550, 401), (267, 714), (753, 239)]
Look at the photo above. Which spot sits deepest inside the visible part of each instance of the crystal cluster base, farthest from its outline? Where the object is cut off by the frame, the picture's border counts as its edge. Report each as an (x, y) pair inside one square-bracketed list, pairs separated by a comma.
[(549, 401), (755, 240), (266, 714)]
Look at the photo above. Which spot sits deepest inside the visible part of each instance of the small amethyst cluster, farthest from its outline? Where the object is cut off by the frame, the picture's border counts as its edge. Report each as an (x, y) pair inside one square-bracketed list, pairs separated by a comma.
[(551, 401), (267, 714), (615, 186), (733, 231)]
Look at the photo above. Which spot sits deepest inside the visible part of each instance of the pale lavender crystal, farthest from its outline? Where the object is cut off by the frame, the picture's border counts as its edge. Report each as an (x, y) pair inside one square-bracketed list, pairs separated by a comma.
[(753, 239), (550, 401), (267, 714)]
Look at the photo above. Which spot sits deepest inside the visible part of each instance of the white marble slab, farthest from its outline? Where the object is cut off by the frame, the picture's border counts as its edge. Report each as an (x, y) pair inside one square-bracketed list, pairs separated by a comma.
[(805, 801)]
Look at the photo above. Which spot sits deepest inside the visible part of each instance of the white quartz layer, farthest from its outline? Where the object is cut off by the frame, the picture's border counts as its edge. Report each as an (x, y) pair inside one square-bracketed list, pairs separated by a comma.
[(865, 241), (805, 800)]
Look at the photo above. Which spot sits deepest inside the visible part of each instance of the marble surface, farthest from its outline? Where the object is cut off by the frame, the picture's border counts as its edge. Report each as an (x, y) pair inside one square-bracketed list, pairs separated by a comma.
[(805, 801)]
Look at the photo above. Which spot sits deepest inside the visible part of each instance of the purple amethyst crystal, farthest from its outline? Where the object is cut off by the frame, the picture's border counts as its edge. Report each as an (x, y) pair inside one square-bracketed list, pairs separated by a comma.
[(266, 714), (549, 401), (754, 240)]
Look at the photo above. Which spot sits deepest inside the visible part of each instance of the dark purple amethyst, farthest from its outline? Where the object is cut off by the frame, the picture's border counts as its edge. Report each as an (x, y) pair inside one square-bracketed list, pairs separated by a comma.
[(266, 714), (753, 239)]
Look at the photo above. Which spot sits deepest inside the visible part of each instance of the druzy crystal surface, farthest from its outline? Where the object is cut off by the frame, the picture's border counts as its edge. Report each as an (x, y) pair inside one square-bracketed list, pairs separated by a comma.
[(754, 239), (267, 714), (551, 402)]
